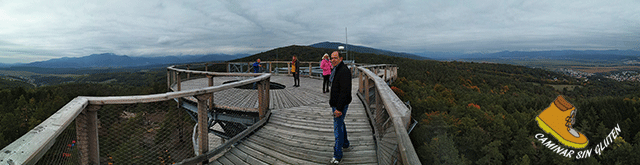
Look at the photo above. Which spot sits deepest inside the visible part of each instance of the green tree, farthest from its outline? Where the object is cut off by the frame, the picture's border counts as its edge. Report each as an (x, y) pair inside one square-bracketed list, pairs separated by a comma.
[(443, 151)]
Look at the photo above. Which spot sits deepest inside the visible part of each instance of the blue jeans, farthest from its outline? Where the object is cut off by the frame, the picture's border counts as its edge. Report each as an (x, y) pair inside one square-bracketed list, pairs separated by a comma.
[(340, 132)]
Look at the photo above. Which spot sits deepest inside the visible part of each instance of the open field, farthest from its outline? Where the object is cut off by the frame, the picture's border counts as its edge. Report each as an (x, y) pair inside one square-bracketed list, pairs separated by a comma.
[(589, 66), (29, 74)]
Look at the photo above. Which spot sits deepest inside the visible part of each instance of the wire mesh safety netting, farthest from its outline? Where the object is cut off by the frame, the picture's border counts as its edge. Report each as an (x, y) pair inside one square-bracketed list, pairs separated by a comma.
[(150, 133), (64, 150), (146, 133)]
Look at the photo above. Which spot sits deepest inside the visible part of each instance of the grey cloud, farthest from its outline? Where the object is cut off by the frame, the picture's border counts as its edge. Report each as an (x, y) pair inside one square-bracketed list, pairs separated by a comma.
[(42, 30)]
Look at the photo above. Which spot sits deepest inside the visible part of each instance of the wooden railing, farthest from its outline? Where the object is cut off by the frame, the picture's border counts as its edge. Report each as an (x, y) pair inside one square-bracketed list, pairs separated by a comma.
[(29, 148), (389, 116), (270, 66)]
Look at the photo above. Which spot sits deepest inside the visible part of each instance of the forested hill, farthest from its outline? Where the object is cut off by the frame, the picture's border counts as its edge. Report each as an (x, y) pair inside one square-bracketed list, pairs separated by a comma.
[(481, 113), (468, 113), (362, 49)]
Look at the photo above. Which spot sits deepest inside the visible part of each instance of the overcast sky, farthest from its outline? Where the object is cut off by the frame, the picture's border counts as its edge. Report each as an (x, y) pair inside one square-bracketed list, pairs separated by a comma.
[(40, 30)]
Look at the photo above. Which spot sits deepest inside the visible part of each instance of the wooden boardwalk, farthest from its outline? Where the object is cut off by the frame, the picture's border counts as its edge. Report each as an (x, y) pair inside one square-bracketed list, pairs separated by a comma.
[(300, 130), (309, 92)]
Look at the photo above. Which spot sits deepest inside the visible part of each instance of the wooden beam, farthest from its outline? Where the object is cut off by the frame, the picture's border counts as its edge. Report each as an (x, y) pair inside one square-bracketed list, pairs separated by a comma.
[(203, 125), (210, 105), (179, 85), (169, 80), (92, 133), (171, 95)]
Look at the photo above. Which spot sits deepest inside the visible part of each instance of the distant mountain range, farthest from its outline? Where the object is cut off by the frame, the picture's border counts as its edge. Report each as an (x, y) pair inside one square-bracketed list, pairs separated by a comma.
[(110, 60), (362, 49), (552, 55)]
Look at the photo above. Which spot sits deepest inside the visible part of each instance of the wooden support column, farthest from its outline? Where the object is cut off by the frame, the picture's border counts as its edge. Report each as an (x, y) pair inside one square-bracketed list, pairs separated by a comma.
[(366, 90), (210, 84), (395, 72), (179, 83), (203, 125), (269, 66), (385, 73), (375, 70), (288, 68), (174, 75), (379, 109), (309, 69), (188, 74), (360, 83), (87, 135), (263, 97), (169, 79)]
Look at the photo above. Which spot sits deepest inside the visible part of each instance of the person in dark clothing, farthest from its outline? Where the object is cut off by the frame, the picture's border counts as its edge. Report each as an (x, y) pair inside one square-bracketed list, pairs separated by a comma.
[(295, 70), (256, 69), (339, 101), (256, 66)]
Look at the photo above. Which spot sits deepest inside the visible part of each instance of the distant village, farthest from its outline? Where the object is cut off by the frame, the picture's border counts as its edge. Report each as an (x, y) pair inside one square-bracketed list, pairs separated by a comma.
[(625, 76), (618, 76)]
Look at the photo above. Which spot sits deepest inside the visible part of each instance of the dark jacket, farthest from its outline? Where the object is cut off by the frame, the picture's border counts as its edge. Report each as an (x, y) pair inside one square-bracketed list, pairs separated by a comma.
[(256, 67), (340, 87), (297, 64)]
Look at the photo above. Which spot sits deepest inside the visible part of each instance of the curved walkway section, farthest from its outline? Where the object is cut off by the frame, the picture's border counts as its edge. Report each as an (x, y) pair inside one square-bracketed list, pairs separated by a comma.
[(300, 130), (304, 135), (309, 92)]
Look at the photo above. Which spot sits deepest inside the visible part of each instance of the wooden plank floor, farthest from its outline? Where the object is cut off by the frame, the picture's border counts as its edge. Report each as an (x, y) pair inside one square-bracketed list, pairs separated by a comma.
[(304, 135), (309, 92), (300, 130)]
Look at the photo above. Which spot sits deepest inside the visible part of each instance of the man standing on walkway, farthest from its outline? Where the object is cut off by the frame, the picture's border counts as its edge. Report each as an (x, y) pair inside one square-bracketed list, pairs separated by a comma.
[(256, 66), (339, 101), (256, 69)]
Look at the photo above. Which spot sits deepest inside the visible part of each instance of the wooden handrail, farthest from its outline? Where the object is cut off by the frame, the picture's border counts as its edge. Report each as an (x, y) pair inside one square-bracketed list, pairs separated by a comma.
[(29, 148), (399, 114), (173, 95)]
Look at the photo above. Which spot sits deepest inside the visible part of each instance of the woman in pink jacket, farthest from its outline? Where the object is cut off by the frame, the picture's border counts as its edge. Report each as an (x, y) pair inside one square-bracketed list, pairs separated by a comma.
[(326, 72)]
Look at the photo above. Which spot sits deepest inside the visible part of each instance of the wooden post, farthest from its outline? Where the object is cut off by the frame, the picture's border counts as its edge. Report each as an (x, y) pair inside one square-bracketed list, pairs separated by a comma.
[(210, 84), (395, 73), (375, 70), (366, 90), (87, 135), (309, 69), (179, 83), (288, 68), (169, 79), (228, 67), (206, 67), (269, 66), (360, 83), (263, 97), (203, 125), (378, 104), (188, 74), (267, 94), (385, 73)]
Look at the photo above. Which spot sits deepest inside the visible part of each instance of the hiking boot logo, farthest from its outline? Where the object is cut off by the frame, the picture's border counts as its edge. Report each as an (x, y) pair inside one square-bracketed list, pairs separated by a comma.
[(558, 120)]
